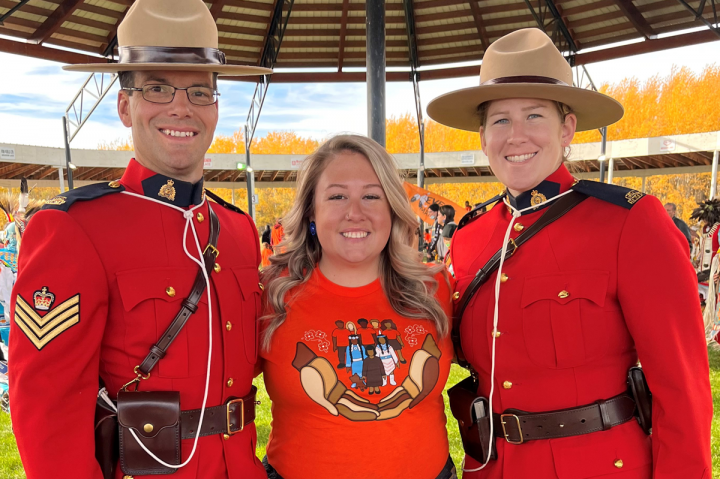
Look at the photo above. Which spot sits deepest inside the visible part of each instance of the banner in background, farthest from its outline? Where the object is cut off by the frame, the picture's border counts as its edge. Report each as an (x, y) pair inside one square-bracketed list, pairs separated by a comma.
[(421, 199)]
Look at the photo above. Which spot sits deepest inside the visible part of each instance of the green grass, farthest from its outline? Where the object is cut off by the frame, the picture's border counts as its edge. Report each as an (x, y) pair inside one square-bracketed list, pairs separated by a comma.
[(11, 467)]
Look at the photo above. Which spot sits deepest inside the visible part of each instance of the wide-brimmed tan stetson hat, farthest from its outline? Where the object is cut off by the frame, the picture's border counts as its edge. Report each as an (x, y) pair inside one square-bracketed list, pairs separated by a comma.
[(524, 64), (176, 35)]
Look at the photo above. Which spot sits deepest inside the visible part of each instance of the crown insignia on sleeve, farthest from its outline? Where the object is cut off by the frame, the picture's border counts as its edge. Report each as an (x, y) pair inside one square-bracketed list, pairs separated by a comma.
[(43, 299)]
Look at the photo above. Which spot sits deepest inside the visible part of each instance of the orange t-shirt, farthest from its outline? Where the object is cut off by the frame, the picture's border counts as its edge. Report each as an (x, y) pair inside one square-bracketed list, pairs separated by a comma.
[(265, 261), (332, 408)]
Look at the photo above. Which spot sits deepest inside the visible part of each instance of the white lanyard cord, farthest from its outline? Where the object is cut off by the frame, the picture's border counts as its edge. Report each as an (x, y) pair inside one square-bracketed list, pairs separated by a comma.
[(515, 214), (188, 215)]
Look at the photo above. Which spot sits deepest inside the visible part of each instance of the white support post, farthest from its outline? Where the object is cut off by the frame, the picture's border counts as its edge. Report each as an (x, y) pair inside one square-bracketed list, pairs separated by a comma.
[(62, 180), (611, 168), (713, 181), (644, 183)]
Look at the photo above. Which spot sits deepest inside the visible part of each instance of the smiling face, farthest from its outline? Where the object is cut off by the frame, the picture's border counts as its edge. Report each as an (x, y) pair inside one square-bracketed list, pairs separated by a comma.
[(351, 213), (524, 141), (171, 138)]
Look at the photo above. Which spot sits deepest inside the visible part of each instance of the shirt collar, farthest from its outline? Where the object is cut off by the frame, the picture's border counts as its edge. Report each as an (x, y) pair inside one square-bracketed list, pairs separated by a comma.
[(144, 181), (558, 182)]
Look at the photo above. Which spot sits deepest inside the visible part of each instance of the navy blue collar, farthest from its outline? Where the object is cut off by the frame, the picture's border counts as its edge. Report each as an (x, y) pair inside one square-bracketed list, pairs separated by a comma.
[(559, 182), (172, 191)]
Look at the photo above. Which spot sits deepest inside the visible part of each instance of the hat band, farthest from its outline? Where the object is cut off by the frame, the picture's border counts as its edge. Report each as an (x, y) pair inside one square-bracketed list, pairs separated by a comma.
[(524, 79), (203, 56)]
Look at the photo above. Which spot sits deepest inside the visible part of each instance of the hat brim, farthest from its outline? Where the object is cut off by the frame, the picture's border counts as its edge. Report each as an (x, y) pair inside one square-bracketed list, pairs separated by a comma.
[(458, 109), (222, 70)]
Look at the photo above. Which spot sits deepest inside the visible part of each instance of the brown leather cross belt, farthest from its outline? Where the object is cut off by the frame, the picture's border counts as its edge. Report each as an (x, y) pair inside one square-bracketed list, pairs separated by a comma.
[(517, 426), (230, 418)]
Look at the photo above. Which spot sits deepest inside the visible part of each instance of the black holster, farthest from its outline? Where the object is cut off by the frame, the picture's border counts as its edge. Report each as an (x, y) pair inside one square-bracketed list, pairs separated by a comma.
[(474, 431), (638, 388), (106, 439)]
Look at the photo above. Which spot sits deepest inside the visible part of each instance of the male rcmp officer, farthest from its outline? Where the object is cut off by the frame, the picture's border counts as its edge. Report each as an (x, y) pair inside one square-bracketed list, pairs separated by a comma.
[(103, 270)]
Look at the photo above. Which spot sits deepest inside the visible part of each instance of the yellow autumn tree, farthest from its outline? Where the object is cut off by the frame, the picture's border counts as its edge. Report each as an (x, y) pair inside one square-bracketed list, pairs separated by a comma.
[(679, 103)]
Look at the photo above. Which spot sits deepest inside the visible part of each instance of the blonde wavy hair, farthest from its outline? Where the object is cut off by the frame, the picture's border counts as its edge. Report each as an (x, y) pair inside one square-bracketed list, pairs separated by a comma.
[(408, 284)]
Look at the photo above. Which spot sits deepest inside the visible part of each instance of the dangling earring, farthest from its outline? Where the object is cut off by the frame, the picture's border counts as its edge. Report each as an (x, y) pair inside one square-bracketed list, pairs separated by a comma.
[(313, 229)]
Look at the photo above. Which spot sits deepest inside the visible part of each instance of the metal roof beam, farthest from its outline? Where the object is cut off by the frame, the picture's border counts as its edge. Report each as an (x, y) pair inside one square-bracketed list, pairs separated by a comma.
[(12, 10), (699, 15), (55, 21), (636, 18)]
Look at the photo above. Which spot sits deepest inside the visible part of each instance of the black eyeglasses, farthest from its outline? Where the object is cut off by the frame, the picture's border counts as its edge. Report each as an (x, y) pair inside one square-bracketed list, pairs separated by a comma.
[(197, 95)]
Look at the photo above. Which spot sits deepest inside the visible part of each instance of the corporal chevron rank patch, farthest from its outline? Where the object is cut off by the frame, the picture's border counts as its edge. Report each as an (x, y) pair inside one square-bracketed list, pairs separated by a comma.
[(40, 330)]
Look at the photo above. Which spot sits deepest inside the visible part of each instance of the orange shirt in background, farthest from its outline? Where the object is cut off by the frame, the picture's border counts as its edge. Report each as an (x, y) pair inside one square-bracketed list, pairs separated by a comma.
[(265, 260), (365, 410)]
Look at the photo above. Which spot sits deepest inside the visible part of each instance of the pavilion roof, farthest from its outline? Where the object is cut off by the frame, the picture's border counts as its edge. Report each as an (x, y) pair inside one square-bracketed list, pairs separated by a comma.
[(331, 33)]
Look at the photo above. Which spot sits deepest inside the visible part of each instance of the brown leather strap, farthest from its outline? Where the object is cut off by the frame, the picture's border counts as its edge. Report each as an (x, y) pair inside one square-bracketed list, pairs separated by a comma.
[(517, 426), (189, 305), (230, 418), (558, 209)]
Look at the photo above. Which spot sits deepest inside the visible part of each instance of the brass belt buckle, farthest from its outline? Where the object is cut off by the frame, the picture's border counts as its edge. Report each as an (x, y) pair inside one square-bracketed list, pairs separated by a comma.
[(242, 416), (517, 419), (215, 251), (515, 247)]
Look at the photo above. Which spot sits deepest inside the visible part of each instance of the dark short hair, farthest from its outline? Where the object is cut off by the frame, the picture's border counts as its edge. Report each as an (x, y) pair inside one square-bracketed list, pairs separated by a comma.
[(127, 80), (434, 207), (448, 211)]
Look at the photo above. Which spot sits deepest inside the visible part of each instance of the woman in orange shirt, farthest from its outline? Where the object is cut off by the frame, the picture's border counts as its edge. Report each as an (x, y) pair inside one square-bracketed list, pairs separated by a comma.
[(266, 253), (348, 259)]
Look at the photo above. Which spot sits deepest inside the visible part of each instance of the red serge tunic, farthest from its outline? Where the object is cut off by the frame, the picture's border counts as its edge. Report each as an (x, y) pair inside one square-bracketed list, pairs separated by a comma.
[(631, 292), (119, 260)]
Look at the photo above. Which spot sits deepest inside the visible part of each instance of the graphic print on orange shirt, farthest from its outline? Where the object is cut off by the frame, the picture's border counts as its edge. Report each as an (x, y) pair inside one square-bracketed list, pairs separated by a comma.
[(372, 380)]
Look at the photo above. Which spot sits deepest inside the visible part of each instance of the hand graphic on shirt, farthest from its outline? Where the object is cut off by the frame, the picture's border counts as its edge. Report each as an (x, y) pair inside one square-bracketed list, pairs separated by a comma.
[(321, 384)]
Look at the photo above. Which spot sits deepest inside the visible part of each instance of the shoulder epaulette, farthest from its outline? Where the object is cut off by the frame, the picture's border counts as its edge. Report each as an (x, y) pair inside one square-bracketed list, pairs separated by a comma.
[(65, 200), (617, 195), (222, 202), (476, 212)]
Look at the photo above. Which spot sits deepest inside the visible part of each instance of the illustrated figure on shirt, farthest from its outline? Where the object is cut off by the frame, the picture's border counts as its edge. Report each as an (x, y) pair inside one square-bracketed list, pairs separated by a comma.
[(340, 342), (350, 326), (367, 335), (373, 372), (321, 383), (355, 354), (376, 327), (389, 359), (393, 338)]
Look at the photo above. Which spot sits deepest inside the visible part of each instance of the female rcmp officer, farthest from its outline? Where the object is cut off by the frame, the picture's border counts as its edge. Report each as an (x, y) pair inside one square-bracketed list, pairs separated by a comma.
[(562, 320)]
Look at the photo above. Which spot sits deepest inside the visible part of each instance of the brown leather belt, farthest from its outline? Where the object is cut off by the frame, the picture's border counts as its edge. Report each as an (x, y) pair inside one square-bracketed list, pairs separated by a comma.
[(517, 426), (229, 419)]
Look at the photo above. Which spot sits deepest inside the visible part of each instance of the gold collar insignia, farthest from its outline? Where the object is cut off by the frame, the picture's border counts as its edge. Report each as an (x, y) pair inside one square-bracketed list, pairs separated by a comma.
[(168, 190)]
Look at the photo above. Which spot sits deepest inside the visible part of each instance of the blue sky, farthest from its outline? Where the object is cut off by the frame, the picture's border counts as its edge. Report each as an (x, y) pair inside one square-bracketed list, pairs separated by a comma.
[(34, 94)]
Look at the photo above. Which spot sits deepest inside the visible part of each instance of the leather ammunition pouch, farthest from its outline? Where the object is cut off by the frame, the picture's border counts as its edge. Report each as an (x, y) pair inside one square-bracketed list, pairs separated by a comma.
[(154, 418)]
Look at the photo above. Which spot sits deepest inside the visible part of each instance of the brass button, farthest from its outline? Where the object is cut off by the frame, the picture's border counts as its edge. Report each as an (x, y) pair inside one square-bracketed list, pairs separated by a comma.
[(228, 325), (127, 477), (261, 286), (226, 436), (507, 385), (200, 218), (563, 294), (496, 334), (148, 428), (114, 184), (217, 267), (518, 227), (170, 291), (230, 382), (504, 278), (619, 463), (456, 295)]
